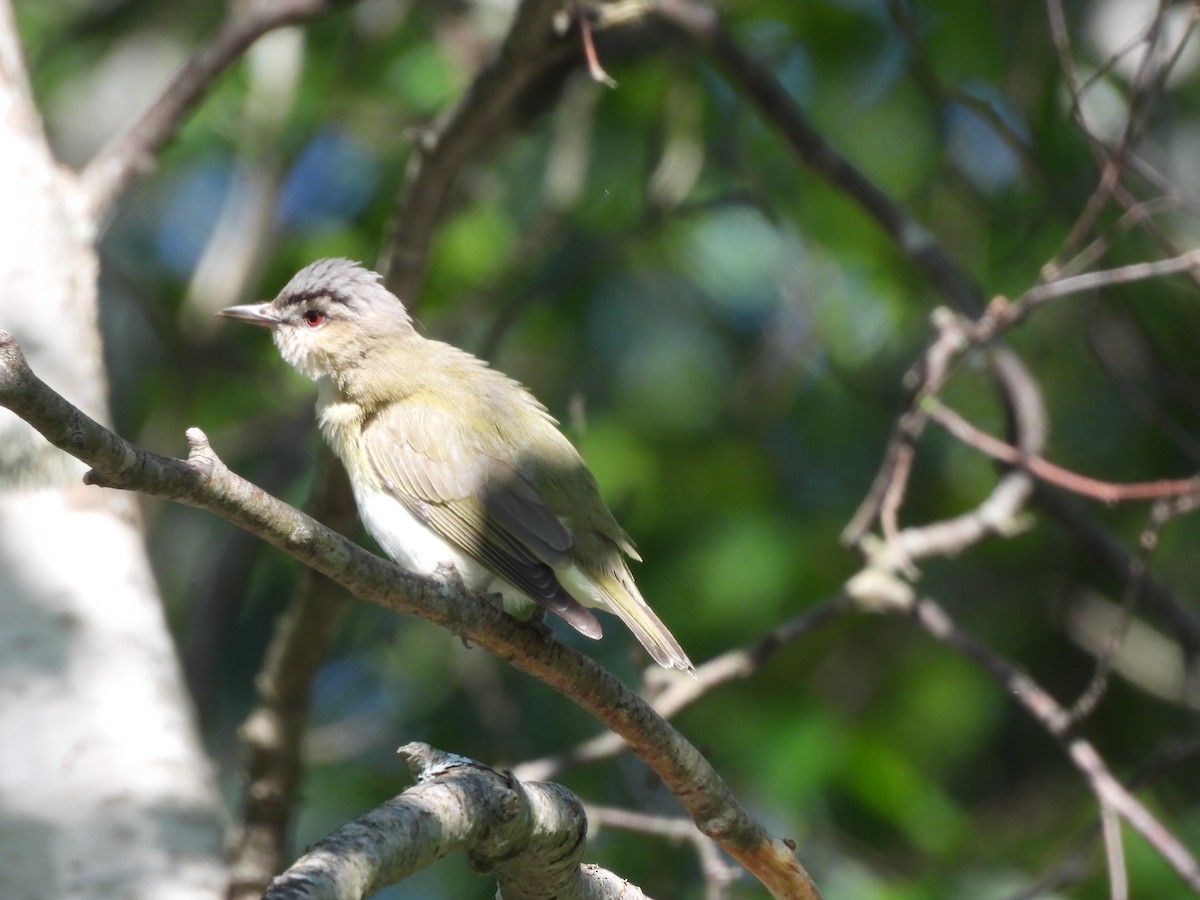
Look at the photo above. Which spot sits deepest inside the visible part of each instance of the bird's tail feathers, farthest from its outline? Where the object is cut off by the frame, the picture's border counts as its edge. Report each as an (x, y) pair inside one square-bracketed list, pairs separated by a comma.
[(616, 592), (623, 598)]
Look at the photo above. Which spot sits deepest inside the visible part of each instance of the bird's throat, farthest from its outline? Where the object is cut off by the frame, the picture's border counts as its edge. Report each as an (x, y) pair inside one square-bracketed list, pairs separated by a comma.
[(340, 420)]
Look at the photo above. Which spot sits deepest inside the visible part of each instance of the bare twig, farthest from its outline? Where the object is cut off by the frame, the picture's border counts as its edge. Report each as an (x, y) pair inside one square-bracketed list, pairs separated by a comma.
[(703, 26), (1105, 491), (595, 70), (1072, 865), (1000, 512), (877, 587), (1091, 281), (133, 153), (1046, 711), (718, 874), (1114, 852), (1122, 151), (1104, 548), (1115, 158), (503, 91), (924, 380), (1112, 160), (1090, 697), (1133, 217), (679, 693)]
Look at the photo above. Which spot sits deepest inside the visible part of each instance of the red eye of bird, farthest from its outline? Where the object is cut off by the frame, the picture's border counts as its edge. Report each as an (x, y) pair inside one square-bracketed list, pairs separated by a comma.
[(313, 318)]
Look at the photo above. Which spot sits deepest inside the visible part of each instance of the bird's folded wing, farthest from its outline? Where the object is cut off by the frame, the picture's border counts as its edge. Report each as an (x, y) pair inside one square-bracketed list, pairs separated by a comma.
[(479, 503)]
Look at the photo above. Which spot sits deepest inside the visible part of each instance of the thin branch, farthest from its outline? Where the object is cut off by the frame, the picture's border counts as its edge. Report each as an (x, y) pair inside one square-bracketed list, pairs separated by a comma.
[(1091, 281), (1071, 866), (1000, 512), (1102, 547), (1091, 695), (718, 874), (879, 589), (1116, 158), (1114, 852), (1157, 234), (1060, 37), (924, 380), (1113, 160), (503, 91), (679, 693), (1105, 491), (595, 69), (1046, 711), (701, 23), (133, 153), (1137, 214), (204, 481), (996, 515)]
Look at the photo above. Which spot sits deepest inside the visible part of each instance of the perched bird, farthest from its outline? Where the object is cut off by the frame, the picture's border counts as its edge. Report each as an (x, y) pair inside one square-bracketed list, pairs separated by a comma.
[(453, 463)]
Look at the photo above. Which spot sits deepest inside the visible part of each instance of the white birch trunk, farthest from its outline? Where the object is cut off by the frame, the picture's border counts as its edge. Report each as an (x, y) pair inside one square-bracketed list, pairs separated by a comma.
[(105, 790)]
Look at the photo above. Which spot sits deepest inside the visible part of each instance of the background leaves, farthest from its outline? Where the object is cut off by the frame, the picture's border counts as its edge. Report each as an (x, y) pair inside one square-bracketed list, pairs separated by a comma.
[(725, 335)]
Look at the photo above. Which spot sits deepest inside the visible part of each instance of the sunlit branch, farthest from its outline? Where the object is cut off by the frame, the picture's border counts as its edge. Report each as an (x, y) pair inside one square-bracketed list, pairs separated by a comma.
[(203, 481)]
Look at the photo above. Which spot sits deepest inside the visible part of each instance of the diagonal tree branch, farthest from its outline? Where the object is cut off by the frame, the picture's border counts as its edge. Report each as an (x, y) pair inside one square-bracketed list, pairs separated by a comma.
[(703, 26), (204, 481), (1104, 548), (679, 693), (1039, 467), (503, 91), (1047, 712), (133, 153), (272, 736)]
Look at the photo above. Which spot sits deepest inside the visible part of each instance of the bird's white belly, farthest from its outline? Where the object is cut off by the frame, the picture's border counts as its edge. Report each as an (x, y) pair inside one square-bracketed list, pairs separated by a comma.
[(412, 545)]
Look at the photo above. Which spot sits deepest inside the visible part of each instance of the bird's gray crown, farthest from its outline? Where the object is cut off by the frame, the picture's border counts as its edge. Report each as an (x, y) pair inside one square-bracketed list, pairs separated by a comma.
[(341, 280)]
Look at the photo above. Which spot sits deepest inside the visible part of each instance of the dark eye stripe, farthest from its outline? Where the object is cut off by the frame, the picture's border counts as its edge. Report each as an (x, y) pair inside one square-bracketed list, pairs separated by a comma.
[(303, 298)]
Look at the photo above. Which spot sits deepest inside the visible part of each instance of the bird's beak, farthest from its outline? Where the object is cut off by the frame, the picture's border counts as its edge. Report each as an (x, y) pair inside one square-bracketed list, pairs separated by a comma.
[(254, 313)]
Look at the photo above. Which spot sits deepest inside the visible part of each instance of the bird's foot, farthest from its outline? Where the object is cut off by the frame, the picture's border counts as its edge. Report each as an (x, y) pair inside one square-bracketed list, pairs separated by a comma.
[(494, 598), (449, 572), (537, 621)]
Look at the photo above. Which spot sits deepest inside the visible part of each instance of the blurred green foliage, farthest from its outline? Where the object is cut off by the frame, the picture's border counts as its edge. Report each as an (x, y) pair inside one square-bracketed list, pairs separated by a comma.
[(725, 336)]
